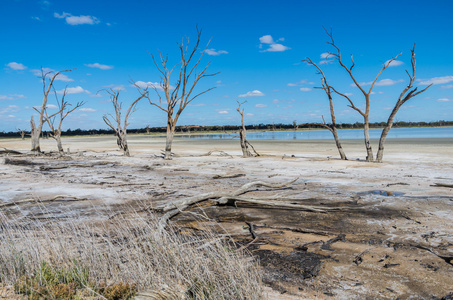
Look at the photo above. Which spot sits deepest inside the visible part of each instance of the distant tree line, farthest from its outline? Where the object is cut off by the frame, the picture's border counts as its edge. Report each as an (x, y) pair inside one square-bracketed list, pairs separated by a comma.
[(269, 127)]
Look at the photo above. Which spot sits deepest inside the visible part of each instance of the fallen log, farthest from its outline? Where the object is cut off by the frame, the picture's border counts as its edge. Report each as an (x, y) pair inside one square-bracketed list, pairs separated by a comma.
[(442, 185), (175, 208), (56, 198)]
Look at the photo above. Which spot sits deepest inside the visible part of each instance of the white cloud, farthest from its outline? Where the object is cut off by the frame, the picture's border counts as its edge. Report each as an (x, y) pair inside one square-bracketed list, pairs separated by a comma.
[(394, 63), (9, 109), (305, 89), (326, 55), (277, 48), (52, 106), (36, 18), (261, 105), (115, 87), (215, 52), (150, 84), (273, 47), (77, 20), (16, 66), (85, 109), (383, 82), (348, 94), (99, 66), (266, 39), (254, 93), (12, 97), (447, 86), (223, 112), (437, 80), (276, 101), (73, 90), (444, 100), (60, 77)]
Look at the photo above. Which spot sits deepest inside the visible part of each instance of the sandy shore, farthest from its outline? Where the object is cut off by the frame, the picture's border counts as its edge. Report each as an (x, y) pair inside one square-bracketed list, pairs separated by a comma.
[(368, 245)]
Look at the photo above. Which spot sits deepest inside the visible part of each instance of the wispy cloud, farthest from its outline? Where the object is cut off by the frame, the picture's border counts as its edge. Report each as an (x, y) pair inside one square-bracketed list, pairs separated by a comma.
[(9, 109), (99, 66), (73, 90), (299, 83), (86, 109), (436, 80), (16, 66), (12, 97), (444, 100), (383, 82), (150, 84), (77, 20), (305, 89), (326, 58), (215, 52), (272, 45), (261, 105), (394, 63), (60, 77), (254, 93), (116, 87)]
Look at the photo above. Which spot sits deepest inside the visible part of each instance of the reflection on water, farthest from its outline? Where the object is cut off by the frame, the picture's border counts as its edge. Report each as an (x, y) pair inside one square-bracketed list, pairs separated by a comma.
[(395, 133)]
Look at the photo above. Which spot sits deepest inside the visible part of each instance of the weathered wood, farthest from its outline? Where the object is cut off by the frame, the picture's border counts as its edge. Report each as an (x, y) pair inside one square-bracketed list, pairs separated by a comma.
[(442, 185)]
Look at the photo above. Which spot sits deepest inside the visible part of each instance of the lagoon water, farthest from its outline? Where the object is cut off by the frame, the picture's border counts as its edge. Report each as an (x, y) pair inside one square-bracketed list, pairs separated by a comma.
[(395, 133)]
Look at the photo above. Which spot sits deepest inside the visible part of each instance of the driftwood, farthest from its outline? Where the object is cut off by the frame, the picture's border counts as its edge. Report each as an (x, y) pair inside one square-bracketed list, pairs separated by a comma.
[(228, 176), (442, 185), (56, 198), (174, 208), (9, 151)]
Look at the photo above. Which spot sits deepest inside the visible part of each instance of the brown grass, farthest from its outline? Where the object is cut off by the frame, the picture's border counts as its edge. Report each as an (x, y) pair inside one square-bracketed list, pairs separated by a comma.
[(120, 256)]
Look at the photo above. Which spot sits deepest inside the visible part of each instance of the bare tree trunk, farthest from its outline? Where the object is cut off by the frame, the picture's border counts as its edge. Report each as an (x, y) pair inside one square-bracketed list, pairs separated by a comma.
[(122, 134), (244, 146), (385, 131), (170, 135), (57, 137), (34, 133), (338, 143), (369, 150)]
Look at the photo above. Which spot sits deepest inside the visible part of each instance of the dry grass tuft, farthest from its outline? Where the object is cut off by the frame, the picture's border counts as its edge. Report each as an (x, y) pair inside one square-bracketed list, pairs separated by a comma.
[(116, 258)]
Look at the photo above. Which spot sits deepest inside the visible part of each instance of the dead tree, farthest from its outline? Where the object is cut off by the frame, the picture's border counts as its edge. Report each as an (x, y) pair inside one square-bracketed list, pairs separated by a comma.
[(178, 97), (364, 113), (148, 129), (120, 128), (62, 112), (333, 126), (408, 93), (22, 133), (35, 131), (243, 132)]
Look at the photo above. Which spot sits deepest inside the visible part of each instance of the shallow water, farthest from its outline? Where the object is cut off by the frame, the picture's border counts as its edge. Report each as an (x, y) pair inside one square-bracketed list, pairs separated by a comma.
[(395, 133)]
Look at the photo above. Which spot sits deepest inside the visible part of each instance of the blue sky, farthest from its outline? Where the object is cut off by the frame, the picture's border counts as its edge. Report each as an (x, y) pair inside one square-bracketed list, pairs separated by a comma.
[(257, 46)]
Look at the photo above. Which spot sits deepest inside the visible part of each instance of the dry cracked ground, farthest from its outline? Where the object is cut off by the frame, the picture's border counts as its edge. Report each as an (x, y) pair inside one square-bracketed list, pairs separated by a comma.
[(385, 230)]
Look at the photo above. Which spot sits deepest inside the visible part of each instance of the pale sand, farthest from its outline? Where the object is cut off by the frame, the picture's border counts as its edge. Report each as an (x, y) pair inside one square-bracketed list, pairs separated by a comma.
[(386, 228)]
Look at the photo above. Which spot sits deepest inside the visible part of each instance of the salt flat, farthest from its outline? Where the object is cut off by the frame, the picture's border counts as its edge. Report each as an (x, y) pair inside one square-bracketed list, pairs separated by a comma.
[(383, 253)]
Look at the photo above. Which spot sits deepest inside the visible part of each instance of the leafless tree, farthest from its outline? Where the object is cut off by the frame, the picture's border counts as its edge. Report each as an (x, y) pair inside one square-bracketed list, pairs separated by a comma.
[(408, 93), (120, 127), (22, 133), (148, 129), (333, 126), (35, 131), (178, 97), (63, 112), (243, 134), (364, 113)]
